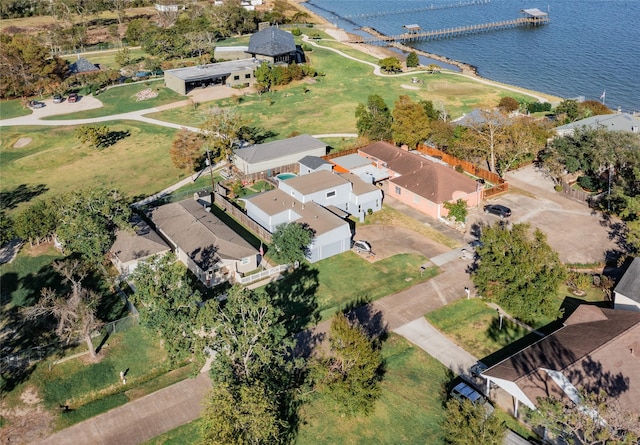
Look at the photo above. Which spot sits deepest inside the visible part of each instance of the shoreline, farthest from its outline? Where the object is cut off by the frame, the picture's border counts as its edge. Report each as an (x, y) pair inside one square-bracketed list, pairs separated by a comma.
[(381, 52)]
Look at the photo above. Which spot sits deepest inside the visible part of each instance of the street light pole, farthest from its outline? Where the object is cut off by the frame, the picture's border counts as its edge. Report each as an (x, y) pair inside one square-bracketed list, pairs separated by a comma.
[(211, 174)]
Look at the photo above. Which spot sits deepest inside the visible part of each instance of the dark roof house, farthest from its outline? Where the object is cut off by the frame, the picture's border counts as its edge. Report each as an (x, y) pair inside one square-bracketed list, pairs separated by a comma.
[(273, 44), (130, 248), (82, 66), (596, 349), (627, 292)]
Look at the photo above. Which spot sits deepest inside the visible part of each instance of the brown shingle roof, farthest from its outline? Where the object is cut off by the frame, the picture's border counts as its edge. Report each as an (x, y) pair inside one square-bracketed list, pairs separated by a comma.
[(316, 181), (419, 175), (596, 349), (200, 234), (143, 243), (315, 216)]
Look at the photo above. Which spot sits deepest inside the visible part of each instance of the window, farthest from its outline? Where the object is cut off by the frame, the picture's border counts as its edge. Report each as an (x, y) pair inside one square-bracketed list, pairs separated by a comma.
[(331, 194), (416, 199), (247, 76), (398, 190), (236, 77), (245, 261)]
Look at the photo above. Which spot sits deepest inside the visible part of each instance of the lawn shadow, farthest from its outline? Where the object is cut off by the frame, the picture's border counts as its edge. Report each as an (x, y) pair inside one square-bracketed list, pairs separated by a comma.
[(22, 193)]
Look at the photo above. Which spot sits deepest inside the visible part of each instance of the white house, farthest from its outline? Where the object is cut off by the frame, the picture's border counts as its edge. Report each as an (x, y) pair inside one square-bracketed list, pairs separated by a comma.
[(213, 251), (610, 122), (332, 234), (270, 156), (627, 292)]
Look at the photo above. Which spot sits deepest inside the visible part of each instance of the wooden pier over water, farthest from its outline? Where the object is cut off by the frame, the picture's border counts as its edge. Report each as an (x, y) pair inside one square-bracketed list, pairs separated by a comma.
[(534, 17), (431, 7)]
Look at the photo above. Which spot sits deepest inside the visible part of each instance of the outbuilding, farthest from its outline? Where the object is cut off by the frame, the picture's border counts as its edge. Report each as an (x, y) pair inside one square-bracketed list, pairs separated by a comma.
[(233, 73)]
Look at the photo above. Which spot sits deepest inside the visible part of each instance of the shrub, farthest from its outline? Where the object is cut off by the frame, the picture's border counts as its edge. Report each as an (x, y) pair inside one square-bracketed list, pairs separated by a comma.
[(459, 168), (557, 188), (296, 32), (457, 210)]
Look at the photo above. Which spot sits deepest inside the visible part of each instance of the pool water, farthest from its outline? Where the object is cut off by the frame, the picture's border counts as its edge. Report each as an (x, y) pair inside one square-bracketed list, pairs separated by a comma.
[(285, 176)]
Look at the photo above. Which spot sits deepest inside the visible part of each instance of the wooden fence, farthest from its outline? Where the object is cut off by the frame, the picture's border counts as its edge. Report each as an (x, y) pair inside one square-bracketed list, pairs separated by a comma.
[(499, 185), (337, 154), (270, 173), (242, 217), (580, 195)]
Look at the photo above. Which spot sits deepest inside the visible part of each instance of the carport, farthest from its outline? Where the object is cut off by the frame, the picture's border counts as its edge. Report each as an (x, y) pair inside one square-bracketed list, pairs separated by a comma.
[(233, 73)]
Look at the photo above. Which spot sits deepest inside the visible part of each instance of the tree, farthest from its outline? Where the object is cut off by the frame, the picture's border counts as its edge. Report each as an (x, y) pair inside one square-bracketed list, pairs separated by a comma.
[(186, 150), (413, 60), (88, 221), (374, 119), (568, 111), (167, 301), (38, 222), (430, 110), (291, 242), (352, 371), (457, 210), (390, 65), (221, 130), (518, 270), (596, 420), (522, 140), (508, 104), (76, 311), (6, 228), (123, 57), (466, 423), (97, 137), (486, 134), (410, 122), (247, 414)]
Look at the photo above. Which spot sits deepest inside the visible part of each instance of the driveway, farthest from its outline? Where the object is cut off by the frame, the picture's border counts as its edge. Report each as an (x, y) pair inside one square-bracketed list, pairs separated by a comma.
[(387, 241), (575, 231)]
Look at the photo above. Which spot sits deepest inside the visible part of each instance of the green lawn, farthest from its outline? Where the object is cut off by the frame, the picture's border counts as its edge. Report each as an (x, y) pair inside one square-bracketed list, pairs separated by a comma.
[(349, 278), (409, 410), (138, 164), (13, 108), (475, 326), (187, 434)]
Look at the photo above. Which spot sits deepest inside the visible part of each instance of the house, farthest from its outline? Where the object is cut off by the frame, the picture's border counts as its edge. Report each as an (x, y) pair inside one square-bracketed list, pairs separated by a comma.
[(232, 73), (83, 66), (310, 164), (270, 156), (332, 234), (206, 245), (611, 122), (273, 45), (627, 292), (342, 191), (130, 248), (361, 167), (596, 349), (422, 183)]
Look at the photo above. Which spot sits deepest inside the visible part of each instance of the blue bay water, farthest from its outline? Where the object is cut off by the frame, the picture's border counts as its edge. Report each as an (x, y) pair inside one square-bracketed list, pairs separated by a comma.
[(590, 46)]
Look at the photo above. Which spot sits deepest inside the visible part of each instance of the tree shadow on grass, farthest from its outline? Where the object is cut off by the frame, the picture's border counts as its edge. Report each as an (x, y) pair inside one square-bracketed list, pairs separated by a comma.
[(22, 193)]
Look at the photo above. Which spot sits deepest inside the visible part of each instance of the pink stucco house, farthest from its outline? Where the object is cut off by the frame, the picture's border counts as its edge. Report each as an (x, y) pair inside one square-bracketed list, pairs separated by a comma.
[(420, 182)]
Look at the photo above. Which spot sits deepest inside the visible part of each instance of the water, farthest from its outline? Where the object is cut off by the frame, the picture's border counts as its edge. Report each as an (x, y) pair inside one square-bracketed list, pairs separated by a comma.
[(590, 46)]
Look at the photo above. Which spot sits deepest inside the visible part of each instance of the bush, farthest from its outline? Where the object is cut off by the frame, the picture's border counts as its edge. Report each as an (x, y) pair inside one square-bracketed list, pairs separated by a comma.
[(296, 32), (557, 188), (589, 183), (457, 210)]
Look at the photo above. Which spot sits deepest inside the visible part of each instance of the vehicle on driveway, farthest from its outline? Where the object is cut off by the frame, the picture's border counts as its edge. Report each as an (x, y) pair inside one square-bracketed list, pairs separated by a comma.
[(362, 246), (477, 369), (73, 97), (463, 391), (36, 104), (498, 210), (57, 98)]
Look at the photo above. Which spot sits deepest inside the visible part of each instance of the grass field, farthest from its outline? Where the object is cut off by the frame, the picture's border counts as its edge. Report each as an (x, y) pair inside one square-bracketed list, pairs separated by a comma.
[(13, 108), (139, 164)]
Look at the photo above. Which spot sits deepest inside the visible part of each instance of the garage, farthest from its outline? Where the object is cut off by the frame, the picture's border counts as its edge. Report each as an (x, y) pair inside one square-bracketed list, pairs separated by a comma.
[(233, 73)]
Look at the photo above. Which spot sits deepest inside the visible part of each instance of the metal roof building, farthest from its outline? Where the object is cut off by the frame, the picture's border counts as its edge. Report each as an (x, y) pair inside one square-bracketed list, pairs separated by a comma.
[(235, 72)]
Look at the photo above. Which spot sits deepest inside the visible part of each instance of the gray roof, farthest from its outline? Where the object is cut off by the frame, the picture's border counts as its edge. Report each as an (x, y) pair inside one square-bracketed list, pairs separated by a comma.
[(271, 42), (277, 149), (534, 12), (201, 72), (478, 117), (82, 65), (313, 162), (629, 285), (351, 161), (200, 234), (141, 243), (612, 122), (316, 182)]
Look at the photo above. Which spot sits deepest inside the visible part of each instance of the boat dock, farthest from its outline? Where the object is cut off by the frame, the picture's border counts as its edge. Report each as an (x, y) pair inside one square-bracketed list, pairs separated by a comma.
[(533, 17)]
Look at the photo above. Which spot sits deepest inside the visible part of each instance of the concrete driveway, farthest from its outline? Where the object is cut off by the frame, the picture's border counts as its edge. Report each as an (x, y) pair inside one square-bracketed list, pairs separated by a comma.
[(575, 231)]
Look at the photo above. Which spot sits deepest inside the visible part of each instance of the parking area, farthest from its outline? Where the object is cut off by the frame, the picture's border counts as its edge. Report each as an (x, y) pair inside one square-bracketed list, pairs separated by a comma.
[(576, 232), (387, 241)]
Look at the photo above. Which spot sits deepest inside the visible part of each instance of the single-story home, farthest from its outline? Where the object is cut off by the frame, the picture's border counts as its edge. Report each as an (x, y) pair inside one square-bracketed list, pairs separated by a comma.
[(611, 122), (627, 291), (273, 45), (310, 164), (130, 248), (270, 156), (420, 182), (596, 349), (232, 73), (332, 234), (213, 251)]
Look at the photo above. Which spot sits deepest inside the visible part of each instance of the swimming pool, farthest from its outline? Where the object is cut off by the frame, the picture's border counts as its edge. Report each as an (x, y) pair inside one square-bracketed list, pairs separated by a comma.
[(285, 176)]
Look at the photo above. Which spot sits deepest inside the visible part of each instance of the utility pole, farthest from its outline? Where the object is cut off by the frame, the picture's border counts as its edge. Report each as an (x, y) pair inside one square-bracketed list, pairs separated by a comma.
[(210, 165)]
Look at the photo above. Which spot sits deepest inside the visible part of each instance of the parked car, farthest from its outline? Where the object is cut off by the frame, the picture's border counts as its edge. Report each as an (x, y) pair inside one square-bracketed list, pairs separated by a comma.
[(498, 210), (477, 369), (57, 98), (464, 391), (73, 97), (362, 246), (36, 104)]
